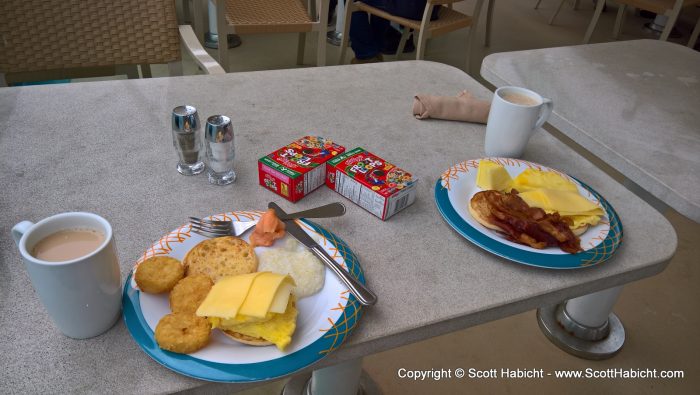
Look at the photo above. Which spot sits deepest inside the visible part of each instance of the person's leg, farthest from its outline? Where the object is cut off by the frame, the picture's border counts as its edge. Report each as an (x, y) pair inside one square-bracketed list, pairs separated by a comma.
[(379, 27), (366, 37), (361, 40), (331, 9), (411, 9)]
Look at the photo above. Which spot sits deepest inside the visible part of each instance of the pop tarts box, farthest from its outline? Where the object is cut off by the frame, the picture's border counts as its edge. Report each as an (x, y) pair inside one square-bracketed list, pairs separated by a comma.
[(371, 182), (297, 169)]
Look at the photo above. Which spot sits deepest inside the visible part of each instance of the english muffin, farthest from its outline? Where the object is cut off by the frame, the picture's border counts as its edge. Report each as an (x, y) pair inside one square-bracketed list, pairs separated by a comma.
[(245, 339), (221, 257)]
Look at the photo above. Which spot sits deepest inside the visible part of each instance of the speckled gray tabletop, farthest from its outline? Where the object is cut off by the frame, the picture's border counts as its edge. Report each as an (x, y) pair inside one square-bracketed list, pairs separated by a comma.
[(106, 147), (634, 104)]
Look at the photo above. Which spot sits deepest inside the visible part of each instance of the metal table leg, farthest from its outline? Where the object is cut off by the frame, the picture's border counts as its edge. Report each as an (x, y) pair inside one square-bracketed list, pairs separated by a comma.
[(211, 38), (658, 25), (585, 326), (346, 378)]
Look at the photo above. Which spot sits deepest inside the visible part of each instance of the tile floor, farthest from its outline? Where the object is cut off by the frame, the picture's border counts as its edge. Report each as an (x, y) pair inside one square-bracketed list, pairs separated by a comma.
[(662, 330)]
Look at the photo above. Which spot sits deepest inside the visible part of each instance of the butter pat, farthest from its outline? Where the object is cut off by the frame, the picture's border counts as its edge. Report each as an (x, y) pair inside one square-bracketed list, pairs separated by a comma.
[(493, 176)]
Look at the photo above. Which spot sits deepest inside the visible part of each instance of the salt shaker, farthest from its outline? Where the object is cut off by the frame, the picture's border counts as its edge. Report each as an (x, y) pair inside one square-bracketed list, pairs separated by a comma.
[(187, 140), (219, 142)]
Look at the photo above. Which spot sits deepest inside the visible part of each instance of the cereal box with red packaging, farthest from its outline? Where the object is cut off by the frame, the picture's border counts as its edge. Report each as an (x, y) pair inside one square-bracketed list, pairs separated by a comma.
[(371, 182), (297, 169)]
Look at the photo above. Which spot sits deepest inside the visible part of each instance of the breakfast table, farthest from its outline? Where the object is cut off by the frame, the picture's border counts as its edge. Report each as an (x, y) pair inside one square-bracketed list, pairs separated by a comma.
[(106, 147), (632, 104)]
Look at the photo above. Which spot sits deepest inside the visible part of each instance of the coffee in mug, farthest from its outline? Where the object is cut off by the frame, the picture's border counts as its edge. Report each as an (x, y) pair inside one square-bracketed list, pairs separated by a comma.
[(68, 244), (517, 98), (516, 113), (72, 262)]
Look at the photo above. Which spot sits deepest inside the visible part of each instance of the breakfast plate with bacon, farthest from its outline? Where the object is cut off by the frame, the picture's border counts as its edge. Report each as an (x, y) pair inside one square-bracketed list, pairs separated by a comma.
[(528, 213)]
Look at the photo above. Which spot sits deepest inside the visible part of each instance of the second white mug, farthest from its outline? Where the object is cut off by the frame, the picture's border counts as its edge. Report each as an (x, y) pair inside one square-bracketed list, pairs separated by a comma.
[(516, 113)]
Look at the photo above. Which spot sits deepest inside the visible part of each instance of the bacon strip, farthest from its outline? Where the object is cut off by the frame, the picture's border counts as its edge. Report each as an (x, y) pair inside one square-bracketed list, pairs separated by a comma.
[(524, 224)]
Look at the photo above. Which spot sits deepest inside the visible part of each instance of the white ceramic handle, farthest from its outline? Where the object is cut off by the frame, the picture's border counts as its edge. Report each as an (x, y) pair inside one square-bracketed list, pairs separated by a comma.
[(546, 112), (20, 229)]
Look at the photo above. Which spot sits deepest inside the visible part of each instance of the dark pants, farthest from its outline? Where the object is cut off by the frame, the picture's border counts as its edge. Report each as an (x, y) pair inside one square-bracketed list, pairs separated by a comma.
[(367, 36)]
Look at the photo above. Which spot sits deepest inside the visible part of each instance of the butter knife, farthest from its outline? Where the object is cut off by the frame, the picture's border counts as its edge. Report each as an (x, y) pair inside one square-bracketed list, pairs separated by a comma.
[(362, 293)]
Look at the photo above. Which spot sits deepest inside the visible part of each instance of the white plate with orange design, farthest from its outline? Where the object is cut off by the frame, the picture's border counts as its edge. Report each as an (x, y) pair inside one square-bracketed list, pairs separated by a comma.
[(457, 185), (324, 322)]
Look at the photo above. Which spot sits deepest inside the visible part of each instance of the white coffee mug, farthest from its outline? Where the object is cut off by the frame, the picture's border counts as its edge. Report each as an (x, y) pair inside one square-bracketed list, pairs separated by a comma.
[(82, 295), (510, 125)]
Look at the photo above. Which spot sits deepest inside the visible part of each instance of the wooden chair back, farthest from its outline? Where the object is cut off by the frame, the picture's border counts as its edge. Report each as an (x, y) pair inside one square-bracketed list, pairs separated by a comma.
[(41, 35)]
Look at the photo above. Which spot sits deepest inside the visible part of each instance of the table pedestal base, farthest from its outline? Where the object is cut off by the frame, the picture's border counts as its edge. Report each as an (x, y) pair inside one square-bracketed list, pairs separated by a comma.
[(346, 378), (585, 326), (657, 27), (211, 40)]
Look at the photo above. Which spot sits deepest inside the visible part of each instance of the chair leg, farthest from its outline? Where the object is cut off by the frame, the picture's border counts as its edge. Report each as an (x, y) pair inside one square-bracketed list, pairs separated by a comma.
[(423, 33), (312, 8), (198, 21), (322, 30), (472, 32), (618, 20), (675, 11), (145, 70), (222, 31), (551, 19), (694, 35), (321, 50), (402, 43), (175, 68), (537, 4), (349, 9), (489, 22), (131, 71), (186, 16), (594, 21), (301, 47)]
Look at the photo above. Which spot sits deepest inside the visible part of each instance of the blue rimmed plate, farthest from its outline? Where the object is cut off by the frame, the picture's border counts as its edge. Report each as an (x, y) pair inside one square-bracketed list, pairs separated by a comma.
[(324, 322), (457, 186)]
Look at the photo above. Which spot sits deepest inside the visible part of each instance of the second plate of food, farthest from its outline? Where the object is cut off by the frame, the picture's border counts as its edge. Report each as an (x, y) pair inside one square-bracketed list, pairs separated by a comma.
[(458, 186), (324, 320)]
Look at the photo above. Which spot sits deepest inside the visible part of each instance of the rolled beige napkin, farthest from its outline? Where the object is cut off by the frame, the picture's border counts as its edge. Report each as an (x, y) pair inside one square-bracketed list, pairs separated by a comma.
[(463, 107)]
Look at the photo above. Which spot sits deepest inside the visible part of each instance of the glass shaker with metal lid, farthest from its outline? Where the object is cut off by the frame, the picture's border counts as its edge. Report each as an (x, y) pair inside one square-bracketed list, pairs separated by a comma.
[(187, 140), (220, 147)]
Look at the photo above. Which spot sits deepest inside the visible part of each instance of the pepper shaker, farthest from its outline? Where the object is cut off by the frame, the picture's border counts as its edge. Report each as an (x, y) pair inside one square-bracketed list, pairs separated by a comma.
[(219, 142), (187, 140)]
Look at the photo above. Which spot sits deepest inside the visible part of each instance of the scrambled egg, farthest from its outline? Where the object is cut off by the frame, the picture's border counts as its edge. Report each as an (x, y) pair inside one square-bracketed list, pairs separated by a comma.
[(275, 328)]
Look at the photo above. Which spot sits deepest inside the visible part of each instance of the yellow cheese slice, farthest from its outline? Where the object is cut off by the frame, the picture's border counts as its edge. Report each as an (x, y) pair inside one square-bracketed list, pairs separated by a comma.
[(531, 179), (227, 296), (563, 202), (493, 176), (279, 303), (261, 294)]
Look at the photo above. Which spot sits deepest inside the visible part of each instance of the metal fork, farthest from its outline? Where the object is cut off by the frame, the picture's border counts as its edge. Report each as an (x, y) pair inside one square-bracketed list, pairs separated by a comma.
[(213, 228)]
